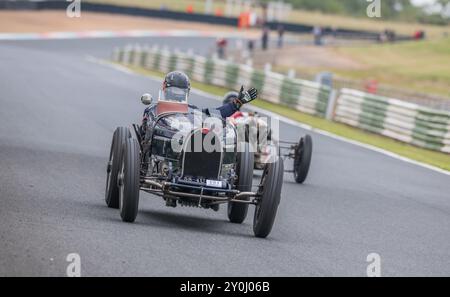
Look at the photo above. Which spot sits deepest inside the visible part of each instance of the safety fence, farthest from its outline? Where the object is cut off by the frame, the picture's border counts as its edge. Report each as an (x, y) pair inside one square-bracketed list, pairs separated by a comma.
[(403, 121), (306, 96)]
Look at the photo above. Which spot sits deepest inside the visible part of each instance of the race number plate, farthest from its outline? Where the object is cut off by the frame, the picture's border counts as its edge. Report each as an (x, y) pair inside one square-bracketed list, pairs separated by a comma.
[(214, 183)]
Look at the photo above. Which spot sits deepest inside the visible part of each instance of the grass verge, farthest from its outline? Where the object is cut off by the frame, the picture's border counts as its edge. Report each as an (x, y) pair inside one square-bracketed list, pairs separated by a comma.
[(434, 158), (420, 66)]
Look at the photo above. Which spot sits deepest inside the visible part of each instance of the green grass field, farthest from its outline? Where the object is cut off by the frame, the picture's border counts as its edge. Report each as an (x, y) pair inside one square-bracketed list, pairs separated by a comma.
[(423, 66), (437, 159), (419, 66)]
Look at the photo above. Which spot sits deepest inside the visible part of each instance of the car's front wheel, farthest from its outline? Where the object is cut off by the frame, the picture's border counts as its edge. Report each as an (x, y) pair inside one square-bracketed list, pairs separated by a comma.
[(112, 170), (129, 176), (237, 211), (269, 197)]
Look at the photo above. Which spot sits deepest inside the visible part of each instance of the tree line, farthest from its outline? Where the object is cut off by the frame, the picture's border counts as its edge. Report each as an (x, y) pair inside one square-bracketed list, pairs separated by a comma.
[(390, 9)]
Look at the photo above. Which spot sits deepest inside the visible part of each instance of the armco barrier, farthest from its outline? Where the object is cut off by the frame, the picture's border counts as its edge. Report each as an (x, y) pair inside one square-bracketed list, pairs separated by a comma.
[(397, 119), (306, 96), (403, 121)]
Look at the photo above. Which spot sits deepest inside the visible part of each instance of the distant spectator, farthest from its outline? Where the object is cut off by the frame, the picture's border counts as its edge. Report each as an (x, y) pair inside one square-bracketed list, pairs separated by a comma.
[(317, 32), (265, 38), (382, 38), (371, 86), (250, 46), (334, 32), (419, 34), (386, 36), (221, 47), (280, 31), (390, 35)]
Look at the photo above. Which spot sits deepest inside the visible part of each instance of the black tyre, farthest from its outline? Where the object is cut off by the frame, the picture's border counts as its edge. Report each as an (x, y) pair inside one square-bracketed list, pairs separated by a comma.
[(129, 176), (302, 159), (112, 190), (237, 212), (270, 191)]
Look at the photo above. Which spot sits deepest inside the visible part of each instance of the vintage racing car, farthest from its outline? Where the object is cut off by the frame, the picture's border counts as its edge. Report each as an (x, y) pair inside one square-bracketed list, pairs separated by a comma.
[(300, 151), (187, 176)]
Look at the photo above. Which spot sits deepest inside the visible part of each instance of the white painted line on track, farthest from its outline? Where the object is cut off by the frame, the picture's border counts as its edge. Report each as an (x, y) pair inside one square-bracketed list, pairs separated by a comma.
[(119, 34), (111, 65), (287, 121)]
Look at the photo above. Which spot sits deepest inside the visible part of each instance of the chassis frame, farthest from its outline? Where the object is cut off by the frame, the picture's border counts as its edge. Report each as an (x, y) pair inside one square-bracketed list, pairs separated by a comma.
[(162, 188)]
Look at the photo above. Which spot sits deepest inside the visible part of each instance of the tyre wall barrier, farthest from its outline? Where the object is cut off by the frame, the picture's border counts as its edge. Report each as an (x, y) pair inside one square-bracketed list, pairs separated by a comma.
[(404, 121), (306, 96)]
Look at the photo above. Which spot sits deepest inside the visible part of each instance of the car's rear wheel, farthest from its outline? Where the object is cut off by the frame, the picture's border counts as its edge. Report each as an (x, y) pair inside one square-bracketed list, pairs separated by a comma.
[(237, 212), (129, 175), (112, 190), (302, 159), (270, 195)]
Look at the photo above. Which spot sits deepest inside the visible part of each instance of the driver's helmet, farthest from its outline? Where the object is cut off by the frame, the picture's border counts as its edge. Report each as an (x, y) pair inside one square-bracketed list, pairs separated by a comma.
[(229, 97), (176, 87)]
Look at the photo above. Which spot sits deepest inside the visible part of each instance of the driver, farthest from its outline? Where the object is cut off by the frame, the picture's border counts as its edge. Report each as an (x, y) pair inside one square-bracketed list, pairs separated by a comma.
[(175, 93)]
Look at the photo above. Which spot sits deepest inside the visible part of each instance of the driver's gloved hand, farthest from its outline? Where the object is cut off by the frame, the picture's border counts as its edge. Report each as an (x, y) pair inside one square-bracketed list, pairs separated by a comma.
[(245, 96)]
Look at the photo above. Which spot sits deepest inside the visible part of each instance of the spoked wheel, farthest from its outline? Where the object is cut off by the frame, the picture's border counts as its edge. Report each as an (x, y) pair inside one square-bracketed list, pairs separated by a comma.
[(269, 197), (112, 190), (128, 181), (302, 159), (237, 212)]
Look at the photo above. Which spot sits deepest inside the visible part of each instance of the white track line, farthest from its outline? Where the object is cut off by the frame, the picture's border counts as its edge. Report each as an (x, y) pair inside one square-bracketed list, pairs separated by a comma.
[(119, 34), (286, 120), (112, 65)]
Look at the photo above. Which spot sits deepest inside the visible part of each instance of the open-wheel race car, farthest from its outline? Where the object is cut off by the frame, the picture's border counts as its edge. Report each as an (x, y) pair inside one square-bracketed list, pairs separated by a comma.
[(300, 152), (165, 161)]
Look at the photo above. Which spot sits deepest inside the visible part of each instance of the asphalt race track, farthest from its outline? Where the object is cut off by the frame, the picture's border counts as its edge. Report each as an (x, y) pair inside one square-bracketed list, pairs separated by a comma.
[(58, 111)]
